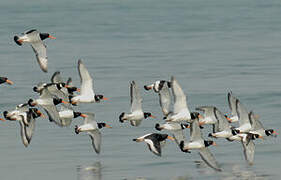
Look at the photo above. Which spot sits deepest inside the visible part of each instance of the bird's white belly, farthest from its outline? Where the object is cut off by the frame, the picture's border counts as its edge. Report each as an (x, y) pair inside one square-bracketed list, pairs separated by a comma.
[(183, 115), (66, 114), (86, 99), (45, 101), (195, 145), (137, 115), (208, 120), (86, 127), (223, 134)]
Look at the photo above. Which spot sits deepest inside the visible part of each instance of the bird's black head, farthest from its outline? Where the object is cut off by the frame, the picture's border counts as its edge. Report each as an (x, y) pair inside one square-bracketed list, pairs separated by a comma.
[(183, 126), (121, 117), (101, 125), (146, 88), (157, 127), (76, 114), (30, 102), (57, 101), (169, 84), (269, 132), (235, 131), (5, 113), (71, 89), (60, 85), (161, 84), (210, 135), (44, 36), (35, 112), (253, 136), (209, 142), (77, 130), (16, 39), (98, 97), (3, 80), (35, 89), (147, 114), (194, 115)]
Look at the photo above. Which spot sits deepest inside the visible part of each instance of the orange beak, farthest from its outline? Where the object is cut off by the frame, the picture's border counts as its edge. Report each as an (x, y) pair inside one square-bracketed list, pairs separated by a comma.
[(74, 103), (229, 120), (9, 82), (52, 37), (78, 90), (2, 120), (107, 126), (171, 138), (65, 102), (152, 116), (41, 114), (83, 115), (104, 98), (214, 144)]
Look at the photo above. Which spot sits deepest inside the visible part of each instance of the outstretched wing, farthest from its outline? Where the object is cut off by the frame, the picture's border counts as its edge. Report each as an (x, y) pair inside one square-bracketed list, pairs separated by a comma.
[(95, 136), (86, 79), (232, 103), (40, 51), (179, 96), (165, 99), (222, 121), (136, 100), (195, 132), (249, 150), (209, 158), (56, 78)]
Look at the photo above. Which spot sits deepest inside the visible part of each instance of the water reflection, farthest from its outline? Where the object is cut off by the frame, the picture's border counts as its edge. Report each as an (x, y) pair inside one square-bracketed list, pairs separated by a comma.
[(92, 172)]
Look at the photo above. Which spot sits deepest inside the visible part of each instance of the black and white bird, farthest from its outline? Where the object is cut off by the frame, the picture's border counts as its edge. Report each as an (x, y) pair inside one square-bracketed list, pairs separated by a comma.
[(48, 102), (57, 79), (67, 114), (157, 86), (26, 118), (180, 111), (87, 94), (258, 129), (197, 142), (177, 129), (154, 141), (92, 128), (35, 38), (6, 80), (136, 114), (162, 89), (222, 129)]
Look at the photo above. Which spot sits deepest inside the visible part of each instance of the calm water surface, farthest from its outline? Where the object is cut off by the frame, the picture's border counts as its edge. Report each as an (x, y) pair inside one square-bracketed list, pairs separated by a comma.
[(211, 47)]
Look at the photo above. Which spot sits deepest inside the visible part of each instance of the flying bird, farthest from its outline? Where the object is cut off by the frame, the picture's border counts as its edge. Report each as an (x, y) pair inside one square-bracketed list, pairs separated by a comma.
[(154, 141), (35, 38), (180, 112), (92, 128), (87, 94), (197, 142), (136, 115)]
